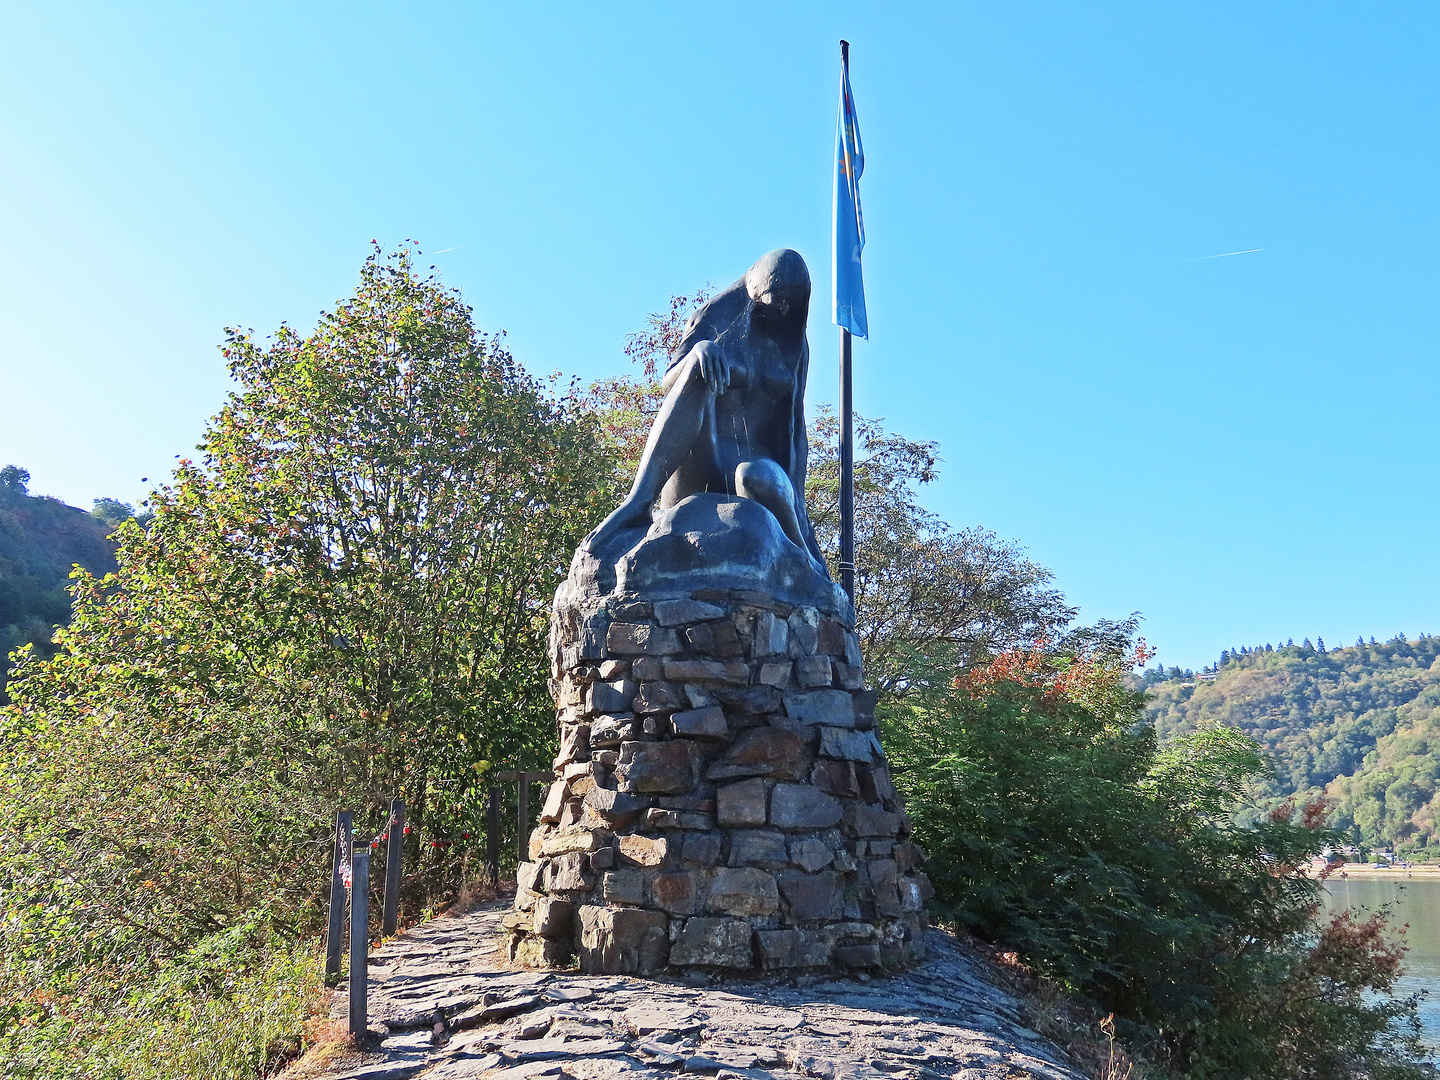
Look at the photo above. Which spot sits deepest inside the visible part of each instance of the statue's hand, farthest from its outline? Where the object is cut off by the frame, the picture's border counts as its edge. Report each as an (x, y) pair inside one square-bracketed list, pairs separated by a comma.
[(714, 367)]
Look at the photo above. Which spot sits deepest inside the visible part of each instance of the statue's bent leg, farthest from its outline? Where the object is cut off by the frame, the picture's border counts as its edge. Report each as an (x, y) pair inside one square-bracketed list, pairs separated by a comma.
[(765, 481), (674, 433)]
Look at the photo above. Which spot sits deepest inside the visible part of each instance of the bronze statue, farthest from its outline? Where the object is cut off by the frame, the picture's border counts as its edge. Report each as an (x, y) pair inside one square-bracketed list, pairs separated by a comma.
[(733, 420)]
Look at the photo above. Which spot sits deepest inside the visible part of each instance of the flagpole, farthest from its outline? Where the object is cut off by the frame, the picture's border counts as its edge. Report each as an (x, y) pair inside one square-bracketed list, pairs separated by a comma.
[(847, 440)]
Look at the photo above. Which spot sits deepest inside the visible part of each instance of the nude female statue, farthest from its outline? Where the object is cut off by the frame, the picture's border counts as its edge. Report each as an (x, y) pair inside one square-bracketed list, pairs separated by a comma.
[(733, 419)]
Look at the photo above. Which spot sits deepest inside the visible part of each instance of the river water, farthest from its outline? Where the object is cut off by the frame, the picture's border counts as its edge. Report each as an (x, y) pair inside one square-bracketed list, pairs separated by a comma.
[(1415, 901)]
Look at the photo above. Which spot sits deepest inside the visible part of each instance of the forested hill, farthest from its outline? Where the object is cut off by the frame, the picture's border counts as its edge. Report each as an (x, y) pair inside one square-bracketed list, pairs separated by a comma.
[(40, 539), (1361, 724)]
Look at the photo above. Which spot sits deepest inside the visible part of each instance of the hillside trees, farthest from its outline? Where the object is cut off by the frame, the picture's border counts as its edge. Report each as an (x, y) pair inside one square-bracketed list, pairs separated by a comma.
[(343, 599)]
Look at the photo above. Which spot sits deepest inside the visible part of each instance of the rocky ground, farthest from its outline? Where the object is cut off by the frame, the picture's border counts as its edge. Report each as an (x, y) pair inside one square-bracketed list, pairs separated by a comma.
[(444, 1005)]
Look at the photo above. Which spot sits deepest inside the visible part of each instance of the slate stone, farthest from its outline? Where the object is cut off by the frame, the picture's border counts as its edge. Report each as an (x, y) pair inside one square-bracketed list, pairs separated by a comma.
[(659, 768), (715, 639), (623, 887), (654, 697), (750, 700), (706, 942), (640, 639), (741, 804), (758, 847), (622, 941), (743, 891), (849, 676), (554, 802), (647, 667), (770, 636), (833, 707), (811, 854), (527, 876), (830, 638), (707, 723), (791, 949), (608, 731), (616, 807), (800, 806), (674, 893), (813, 671), (708, 670), (885, 883), (862, 820), (859, 956), (567, 874), (678, 612), (803, 635), (766, 751), (702, 849), (836, 778), (776, 675), (848, 745), (875, 785), (553, 918), (610, 697), (614, 669), (643, 850), (813, 897)]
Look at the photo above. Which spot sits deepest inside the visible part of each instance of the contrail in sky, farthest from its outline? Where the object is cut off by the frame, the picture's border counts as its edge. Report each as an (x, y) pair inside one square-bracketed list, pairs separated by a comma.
[(458, 246), (1227, 254)]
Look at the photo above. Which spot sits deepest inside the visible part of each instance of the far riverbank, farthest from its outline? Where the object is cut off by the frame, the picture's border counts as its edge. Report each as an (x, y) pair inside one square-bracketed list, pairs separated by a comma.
[(1382, 873)]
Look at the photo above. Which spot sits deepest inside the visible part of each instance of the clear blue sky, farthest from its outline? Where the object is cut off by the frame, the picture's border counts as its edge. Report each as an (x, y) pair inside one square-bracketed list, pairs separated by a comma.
[(1242, 448)]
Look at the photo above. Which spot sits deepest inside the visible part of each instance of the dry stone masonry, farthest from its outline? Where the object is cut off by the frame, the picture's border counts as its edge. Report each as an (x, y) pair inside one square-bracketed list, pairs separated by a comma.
[(721, 799)]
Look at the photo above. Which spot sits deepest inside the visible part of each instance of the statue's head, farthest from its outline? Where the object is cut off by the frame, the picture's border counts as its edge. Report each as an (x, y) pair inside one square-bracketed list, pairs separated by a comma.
[(779, 287)]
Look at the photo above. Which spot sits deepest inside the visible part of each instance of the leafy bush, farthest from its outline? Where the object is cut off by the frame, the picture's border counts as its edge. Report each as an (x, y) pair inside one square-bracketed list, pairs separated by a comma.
[(1056, 826)]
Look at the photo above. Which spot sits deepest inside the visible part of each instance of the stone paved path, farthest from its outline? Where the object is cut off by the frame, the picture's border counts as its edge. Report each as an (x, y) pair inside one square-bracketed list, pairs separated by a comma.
[(942, 1019)]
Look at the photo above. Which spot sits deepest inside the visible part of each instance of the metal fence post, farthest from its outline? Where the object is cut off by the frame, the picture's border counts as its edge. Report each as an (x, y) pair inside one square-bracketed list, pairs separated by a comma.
[(394, 849), (359, 939), (335, 931), (492, 836)]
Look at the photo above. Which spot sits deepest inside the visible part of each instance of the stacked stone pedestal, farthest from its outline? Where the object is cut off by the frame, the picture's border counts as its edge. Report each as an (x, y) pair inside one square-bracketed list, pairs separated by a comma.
[(721, 799)]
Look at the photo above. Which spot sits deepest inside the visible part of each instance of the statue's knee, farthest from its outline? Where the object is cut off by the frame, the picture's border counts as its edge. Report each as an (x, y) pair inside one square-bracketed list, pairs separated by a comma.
[(763, 480)]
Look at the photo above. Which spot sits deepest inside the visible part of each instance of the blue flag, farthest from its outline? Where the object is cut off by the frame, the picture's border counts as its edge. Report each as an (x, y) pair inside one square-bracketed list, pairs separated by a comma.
[(848, 289)]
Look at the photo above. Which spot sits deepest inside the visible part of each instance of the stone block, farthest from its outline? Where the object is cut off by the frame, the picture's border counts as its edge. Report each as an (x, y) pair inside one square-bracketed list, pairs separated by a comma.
[(647, 667), (910, 896), (715, 639), (674, 893), (702, 849), (708, 671), (927, 889), (862, 820), (849, 676), (592, 637), (678, 612), (537, 841), (875, 785), (813, 897), (743, 891), (619, 807), (603, 859), (800, 806), (776, 675), (802, 634), (742, 803), (562, 841), (567, 874), (859, 956), (791, 949), (848, 745), (610, 697), (640, 639), (623, 887), (614, 669), (758, 847), (528, 875), (698, 696), (721, 943), (574, 745), (537, 952), (830, 638), (678, 819), (833, 707), (852, 649), (706, 723), (771, 636), (657, 768), (811, 854), (608, 731), (751, 700), (554, 802), (813, 671), (654, 697), (622, 941), (766, 751), (836, 778), (553, 918), (885, 882), (633, 610), (643, 850)]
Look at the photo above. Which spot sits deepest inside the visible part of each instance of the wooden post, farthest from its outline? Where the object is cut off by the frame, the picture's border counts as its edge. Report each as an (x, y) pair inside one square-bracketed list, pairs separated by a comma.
[(522, 822), (335, 931), (394, 851), (492, 836), (359, 939)]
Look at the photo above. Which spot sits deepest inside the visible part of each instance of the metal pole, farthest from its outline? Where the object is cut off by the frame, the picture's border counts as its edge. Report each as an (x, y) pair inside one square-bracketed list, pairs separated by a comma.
[(492, 836), (394, 852), (847, 471), (335, 931), (522, 821), (359, 939)]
